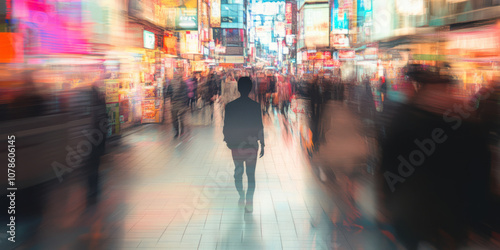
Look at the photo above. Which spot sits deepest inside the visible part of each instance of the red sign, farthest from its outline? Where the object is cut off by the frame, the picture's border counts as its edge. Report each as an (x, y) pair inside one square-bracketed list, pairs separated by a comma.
[(288, 18), (170, 43), (327, 55), (347, 54), (288, 13), (332, 63)]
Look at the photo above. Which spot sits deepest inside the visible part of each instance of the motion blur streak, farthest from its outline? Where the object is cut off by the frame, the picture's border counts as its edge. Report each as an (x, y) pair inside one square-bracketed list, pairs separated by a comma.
[(369, 124)]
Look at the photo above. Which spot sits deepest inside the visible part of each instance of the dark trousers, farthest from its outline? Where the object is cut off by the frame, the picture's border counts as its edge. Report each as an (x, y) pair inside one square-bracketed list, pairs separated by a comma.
[(93, 190), (249, 157), (177, 120)]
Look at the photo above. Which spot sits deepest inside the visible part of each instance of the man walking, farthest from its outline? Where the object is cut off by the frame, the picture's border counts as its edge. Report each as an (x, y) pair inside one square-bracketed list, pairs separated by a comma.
[(178, 101), (242, 129)]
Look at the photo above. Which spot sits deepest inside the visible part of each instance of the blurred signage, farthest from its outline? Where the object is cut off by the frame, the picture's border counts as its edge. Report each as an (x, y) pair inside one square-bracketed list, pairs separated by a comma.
[(215, 15), (189, 42), (5, 15), (220, 49), (347, 54), (170, 43), (364, 11), (112, 88), (428, 57), (197, 66), (11, 47), (227, 65), (204, 37), (410, 7), (299, 58), (233, 59), (152, 11), (286, 50), (148, 39), (288, 12), (332, 63), (159, 41), (339, 17), (192, 42), (279, 29), (327, 55), (371, 53), (262, 29), (316, 25), (187, 19), (233, 51), (290, 39), (204, 14), (339, 40)]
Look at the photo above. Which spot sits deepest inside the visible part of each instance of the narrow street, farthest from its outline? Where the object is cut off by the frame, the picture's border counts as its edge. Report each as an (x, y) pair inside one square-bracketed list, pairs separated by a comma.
[(161, 192)]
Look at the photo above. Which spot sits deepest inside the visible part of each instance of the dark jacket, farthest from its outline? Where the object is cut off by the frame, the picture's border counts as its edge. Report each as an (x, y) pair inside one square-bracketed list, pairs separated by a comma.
[(178, 90), (433, 184), (243, 124)]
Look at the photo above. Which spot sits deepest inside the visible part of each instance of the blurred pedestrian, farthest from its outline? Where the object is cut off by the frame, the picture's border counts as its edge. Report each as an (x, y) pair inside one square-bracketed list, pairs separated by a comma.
[(99, 116), (229, 90), (242, 129), (315, 102), (435, 168), (192, 87), (178, 100)]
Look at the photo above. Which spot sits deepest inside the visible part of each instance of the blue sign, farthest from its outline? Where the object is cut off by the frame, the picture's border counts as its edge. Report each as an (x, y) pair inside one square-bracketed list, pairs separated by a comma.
[(339, 19), (364, 11)]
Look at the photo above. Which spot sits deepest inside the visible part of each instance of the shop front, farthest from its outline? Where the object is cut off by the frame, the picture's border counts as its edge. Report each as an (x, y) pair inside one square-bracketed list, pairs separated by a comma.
[(475, 54)]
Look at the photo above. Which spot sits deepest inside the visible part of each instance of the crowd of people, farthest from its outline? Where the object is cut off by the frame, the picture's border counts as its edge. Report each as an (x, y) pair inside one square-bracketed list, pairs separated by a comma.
[(436, 158)]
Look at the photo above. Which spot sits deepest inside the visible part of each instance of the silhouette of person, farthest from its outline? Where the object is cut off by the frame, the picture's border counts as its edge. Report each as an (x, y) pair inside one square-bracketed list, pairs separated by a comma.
[(98, 115), (242, 129), (178, 100)]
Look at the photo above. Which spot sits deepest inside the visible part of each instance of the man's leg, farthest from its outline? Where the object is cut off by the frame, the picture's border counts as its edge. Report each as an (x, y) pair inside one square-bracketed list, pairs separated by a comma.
[(251, 161), (175, 121), (93, 178), (238, 172)]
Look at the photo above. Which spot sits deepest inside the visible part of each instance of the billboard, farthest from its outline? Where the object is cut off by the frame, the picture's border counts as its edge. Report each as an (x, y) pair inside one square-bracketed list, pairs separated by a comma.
[(410, 7), (316, 25), (364, 11), (149, 39), (166, 13), (189, 42), (186, 19), (288, 18), (170, 43), (339, 40), (215, 14), (339, 18)]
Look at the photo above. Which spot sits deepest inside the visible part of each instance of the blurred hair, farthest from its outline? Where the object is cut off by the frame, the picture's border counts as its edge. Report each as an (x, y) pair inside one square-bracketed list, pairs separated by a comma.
[(244, 85)]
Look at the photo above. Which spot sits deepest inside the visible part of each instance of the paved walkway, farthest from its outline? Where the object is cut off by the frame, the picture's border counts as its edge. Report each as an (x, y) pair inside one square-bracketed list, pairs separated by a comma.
[(160, 192)]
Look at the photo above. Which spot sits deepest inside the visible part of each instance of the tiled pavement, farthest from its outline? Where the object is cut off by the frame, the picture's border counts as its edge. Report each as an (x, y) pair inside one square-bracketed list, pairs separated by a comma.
[(165, 193)]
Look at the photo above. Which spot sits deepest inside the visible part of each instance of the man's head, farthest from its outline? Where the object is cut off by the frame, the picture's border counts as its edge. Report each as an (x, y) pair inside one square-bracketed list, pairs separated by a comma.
[(244, 86)]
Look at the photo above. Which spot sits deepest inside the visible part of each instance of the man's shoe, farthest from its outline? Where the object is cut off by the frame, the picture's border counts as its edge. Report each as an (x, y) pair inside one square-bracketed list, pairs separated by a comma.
[(241, 203), (249, 207)]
